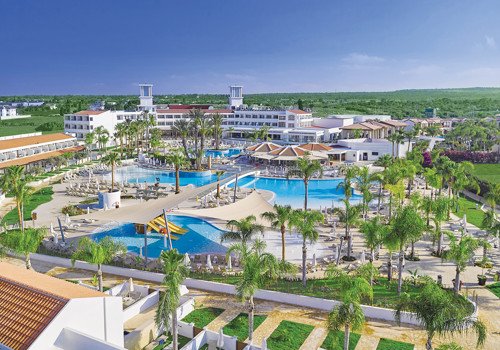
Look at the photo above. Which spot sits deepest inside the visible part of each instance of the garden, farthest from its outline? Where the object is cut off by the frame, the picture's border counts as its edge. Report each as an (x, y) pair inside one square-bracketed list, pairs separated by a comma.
[(203, 316), (43, 195), (239, 325), (468, 207), (335, 340), (388, 344)]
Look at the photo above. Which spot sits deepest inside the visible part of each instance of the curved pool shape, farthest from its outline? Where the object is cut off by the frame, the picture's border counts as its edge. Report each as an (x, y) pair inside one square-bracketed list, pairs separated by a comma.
[(223, 153), (202, 237), (134, 173), (320, 192)]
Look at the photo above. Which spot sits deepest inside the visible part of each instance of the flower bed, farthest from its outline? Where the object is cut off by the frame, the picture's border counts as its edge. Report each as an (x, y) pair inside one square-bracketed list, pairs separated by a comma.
[(335, 340), (473, 157), (289, 336), (72, 210), (202, 317), (239, 325)]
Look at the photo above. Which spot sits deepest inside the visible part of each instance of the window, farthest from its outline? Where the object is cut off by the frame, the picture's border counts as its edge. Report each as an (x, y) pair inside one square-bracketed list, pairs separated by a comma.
[(282, 124), (291, 117), (91, 119), (374, 153)]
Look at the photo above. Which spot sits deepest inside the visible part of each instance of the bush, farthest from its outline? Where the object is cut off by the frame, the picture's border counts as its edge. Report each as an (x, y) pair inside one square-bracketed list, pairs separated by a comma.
[(473, 157), (72, 210)]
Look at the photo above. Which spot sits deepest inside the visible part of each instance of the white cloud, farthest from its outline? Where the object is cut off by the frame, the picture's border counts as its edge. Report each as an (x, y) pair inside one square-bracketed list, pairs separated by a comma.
[(490, 42), (362, 59), (422, 70)]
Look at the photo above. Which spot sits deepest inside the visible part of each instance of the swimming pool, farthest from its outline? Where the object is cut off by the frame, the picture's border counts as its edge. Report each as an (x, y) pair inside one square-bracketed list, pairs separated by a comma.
[(320, 192), (136, 173), (223, 153), (202, 237)]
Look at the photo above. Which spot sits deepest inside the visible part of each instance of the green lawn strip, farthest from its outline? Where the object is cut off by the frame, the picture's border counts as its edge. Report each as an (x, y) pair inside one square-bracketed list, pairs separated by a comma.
[(182, 340), (202, 317), (289, 336), (335, 340), (384, 294), (239, 325), (468, 207), (388, 344), (487, 172), (494, 288), (38, 198)]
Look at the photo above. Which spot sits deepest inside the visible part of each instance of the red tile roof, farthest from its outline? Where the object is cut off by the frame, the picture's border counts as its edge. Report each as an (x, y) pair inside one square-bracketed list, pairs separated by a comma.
[(290, 151), (186, 111), (33, 140), (263, 147), (315, 147), (90, 112), (38, 157), (298, 111)]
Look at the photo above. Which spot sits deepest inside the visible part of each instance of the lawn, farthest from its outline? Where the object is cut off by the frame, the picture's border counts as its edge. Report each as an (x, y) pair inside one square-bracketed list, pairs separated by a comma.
[(335, 340), (384, 294), (182, 340), (487, 172), (239, 325), (28, 125), (388, 344), (494, 288), (202, 317), (468, 206), (289, 336), (38, 198)]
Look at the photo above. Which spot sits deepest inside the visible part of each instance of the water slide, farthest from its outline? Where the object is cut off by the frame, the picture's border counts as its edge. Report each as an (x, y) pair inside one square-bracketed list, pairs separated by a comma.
[(153, 226), (171, 226)]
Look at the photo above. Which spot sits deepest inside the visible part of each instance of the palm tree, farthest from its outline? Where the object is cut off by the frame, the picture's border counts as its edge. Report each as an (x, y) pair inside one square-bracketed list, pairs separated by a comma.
[(426, 205), (230, 130), (219, 173), (406, 225), (440, 209), (179, 161), (98, 253), (175, 273), (120, 129), (67, 157), (441, 313), (195, 117), (364, 182), (149, 121), (307, 229), (373, 231), (305, 169), (384, 161), (112, 159), (349, 313), (392, 138), (205, 129), (350, 217), (181, 127), (23, 242), (460, 252), (278, 220), (242, 230), (12, 181), (216, 121), (258, 268), (89, 142)]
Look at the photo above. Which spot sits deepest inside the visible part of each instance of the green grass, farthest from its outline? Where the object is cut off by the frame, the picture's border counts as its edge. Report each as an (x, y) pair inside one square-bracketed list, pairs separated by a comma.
[(384, 294), (388, 344), (289, 336), (487, 172), (202, 317), (28, 125), (494, 288), (239, 325), (182, 340), (38, 198), (335, 340), (468, 206)]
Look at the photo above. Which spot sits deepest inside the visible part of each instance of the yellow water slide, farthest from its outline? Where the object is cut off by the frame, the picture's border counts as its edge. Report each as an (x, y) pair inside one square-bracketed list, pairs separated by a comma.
[(172, 227)]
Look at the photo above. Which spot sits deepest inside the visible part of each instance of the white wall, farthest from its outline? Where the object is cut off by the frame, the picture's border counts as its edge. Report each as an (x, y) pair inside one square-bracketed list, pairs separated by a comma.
[(100, 318), (74, 340)]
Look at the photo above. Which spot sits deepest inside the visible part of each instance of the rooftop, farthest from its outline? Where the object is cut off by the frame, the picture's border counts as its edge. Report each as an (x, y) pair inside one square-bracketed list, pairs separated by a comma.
[(33, 140), (90, 112), (41, 156)]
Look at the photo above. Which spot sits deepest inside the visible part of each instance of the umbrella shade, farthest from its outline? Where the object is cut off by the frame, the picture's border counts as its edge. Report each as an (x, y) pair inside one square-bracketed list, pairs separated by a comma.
[(67, 221), (209, 262), (229, 264), (52, 228), (314, 259), (220, 338), (130, 285), (88, 210), (187, 261), (362, 257), (140, 253), (56, 239)]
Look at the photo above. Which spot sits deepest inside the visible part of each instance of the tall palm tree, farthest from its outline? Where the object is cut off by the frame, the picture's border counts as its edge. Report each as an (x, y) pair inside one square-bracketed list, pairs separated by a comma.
[(307, 229), (258, 268), (216, 121), (181, 128), (120, 129), (278, 220), (399, 139), (219, 173), (242, 230), (195, 116), (426, 205), (440, 313), (179, 161), (460, 252), (364, 182), (373, 232), (406, 225), (10, 182), (205, 127), (112, 159), (175, 273), (23, 242), (305, 170), (384, 161), (149, 121), (89, 142), (350, 217), (349, 313), (392, 138), (98, 253), (440, 209)]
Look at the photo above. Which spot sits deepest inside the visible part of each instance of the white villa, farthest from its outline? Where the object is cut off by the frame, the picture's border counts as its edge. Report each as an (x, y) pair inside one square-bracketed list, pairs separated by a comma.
[(9, 112)]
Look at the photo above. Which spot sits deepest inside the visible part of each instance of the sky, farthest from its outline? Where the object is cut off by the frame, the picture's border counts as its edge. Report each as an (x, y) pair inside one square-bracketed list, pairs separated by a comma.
[(109, 47)]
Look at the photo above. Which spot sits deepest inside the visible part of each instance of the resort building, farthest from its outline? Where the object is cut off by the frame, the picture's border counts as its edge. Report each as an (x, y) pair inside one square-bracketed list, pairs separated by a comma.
[(8, 112), (29, 149), (42, 312), (372, 129)]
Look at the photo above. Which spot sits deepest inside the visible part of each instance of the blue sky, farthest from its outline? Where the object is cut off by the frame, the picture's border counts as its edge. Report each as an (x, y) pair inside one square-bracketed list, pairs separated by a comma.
[(108, 47)]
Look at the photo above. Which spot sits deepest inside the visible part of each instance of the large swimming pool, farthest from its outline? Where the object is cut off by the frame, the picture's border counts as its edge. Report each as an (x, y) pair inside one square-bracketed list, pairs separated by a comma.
[(320, 192), (202, 237)]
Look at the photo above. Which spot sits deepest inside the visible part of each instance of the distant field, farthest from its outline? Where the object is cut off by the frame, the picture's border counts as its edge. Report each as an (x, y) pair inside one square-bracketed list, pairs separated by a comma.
[(28, 125), (487, 172)]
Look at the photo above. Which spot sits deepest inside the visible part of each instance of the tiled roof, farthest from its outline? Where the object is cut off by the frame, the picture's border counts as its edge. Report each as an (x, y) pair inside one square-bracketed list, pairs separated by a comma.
[(38, 157), (368, 125), (298, 111), (90, 112), (29, 302), (394, 123), (33, 140), (315, 147), (263, 147), (289, 151)]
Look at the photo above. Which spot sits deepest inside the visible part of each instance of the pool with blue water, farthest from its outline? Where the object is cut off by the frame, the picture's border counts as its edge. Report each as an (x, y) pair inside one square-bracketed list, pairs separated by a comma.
[(202, 237)]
